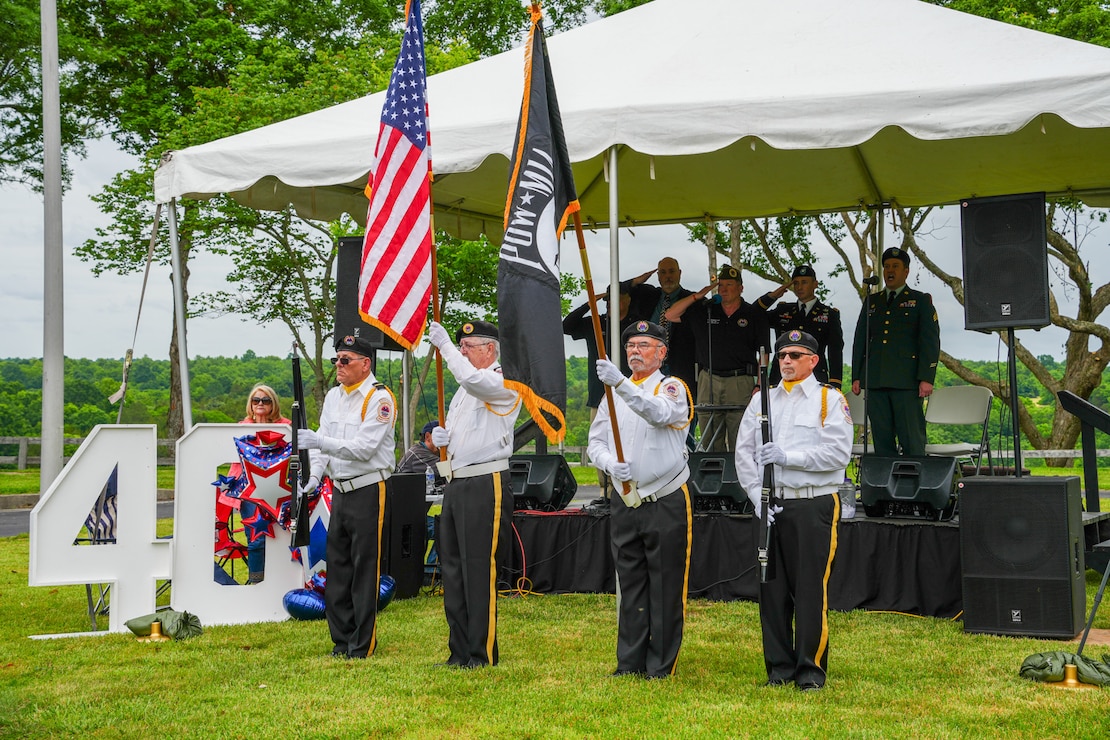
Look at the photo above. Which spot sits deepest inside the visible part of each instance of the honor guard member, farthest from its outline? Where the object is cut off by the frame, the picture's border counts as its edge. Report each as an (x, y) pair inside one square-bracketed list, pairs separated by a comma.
[(812, 432), (650, 525), (477, 512), (354, 446), (728, 334), (810, 315), (902, 352)]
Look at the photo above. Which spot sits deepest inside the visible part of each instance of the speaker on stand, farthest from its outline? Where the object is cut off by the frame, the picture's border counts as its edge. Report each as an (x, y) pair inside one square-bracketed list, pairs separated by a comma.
[(348, 265), (1021, 552), (1005, 256)]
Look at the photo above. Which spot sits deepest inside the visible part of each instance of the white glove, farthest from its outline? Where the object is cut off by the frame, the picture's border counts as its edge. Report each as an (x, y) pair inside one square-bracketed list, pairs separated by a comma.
[(770, 453), (310, 487), (608, 373), (308, 440), (438, 336), (441, 437), (621, 471), (770, 514)]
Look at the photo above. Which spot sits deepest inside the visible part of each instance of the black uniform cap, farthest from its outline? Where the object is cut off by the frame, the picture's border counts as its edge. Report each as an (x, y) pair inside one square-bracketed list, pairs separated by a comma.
[(797, 338), (644, 329), (356, 344), (477, 329), (804, 271)]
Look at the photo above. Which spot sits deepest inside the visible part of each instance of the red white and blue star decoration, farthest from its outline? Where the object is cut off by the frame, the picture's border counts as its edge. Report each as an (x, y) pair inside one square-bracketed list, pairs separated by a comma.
[(312, 557), (265, 459)]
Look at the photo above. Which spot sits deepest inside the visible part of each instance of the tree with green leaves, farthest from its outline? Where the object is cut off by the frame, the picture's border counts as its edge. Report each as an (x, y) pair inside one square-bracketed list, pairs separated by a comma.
[(21, 155)]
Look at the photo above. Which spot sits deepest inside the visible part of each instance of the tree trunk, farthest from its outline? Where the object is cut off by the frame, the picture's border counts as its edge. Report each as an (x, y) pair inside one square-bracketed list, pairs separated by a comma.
[(175, 420)]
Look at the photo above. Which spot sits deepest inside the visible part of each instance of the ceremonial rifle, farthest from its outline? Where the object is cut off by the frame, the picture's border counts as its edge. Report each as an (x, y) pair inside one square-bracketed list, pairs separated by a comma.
[(767, 496), (299, 465)]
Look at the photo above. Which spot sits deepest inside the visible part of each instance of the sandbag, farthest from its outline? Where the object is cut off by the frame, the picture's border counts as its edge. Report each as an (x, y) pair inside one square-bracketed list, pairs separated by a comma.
[(178, 625), (1049, 667)]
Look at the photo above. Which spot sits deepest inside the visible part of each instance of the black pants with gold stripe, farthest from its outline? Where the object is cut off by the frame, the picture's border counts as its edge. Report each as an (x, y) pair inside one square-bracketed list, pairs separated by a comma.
[(651, 552), (803, 547), (474, 531), (354, 569)]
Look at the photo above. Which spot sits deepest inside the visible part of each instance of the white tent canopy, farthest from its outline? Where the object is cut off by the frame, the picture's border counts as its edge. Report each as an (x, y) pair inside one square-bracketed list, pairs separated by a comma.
[(728, 108)]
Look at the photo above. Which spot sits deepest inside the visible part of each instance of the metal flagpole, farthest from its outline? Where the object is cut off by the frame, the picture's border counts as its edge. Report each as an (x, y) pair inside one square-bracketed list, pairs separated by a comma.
[(53, 351)]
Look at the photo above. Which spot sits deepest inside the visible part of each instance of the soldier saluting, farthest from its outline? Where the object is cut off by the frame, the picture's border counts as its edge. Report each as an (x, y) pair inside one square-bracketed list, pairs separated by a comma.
[(810, 315)]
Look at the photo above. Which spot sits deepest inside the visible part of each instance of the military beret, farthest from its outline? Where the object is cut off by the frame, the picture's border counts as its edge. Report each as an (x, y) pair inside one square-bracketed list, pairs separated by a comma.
[(356, 344), (728, 272), (897, 254), (804, 271), (797, 338), (644, 329), (477, 329)]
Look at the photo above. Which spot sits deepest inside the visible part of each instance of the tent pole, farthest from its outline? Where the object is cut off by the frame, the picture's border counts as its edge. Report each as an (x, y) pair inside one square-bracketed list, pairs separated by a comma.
[(179, 319), (615, 348)]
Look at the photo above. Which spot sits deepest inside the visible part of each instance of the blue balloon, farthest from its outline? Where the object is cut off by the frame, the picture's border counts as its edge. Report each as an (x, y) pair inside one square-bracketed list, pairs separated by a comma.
[(304, 604), (386, 588)]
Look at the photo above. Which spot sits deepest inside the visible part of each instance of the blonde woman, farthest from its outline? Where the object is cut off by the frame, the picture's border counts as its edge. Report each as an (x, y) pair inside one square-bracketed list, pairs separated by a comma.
[(263, 407)]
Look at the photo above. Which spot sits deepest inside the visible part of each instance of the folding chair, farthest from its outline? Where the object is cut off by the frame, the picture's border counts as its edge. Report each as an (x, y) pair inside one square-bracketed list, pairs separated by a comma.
[(962, 404)]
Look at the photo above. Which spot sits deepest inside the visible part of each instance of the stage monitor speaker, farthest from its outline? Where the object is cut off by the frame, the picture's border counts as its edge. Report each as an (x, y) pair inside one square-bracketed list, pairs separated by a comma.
[(404, 532), (1005, 254), (714, 488), (1021, 548), (909, 487), (348, 265), (542, 482)]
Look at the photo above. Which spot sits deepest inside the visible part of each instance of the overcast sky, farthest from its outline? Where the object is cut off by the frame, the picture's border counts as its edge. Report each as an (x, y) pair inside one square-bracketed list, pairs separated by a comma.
[(100, 313)]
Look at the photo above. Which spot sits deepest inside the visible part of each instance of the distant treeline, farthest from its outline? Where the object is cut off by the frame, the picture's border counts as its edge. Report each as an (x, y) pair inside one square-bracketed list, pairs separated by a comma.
[(220, 386)]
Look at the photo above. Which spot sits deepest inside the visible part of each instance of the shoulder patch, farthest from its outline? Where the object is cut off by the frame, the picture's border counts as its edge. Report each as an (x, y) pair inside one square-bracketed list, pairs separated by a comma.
[(672, 389), (385, 411)]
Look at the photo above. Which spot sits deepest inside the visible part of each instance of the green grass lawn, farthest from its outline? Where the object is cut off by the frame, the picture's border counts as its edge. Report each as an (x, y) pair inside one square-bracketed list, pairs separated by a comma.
[(891, 675)]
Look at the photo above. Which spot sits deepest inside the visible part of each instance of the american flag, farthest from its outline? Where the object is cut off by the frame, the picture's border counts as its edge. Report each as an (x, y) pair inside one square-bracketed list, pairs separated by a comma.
[(395, 279)]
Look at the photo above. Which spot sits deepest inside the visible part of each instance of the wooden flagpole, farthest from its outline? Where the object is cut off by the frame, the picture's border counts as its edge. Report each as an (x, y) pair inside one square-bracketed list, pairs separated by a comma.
[(440, 406), (599, 340)]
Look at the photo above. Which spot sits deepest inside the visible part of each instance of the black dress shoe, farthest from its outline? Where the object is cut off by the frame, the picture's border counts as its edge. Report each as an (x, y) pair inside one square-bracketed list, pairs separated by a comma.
[(339, 654), (626, 672), (810, 687), (777, 682)]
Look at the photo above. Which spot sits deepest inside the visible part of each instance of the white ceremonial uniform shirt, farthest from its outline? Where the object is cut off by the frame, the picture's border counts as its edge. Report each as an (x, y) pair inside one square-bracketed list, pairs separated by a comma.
[(652, 418), (482, 413), (817, 441), (350, 445)]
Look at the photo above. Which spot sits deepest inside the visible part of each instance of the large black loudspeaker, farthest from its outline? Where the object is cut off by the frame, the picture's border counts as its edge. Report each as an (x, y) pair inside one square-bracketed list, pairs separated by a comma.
[(1021, 547), (911, 487), (1005, 250), (542, 482), (404, 532), (347, 319), (714, 488)]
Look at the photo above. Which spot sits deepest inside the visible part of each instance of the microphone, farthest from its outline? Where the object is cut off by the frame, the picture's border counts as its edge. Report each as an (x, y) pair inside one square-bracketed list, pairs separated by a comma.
[(873, 280)]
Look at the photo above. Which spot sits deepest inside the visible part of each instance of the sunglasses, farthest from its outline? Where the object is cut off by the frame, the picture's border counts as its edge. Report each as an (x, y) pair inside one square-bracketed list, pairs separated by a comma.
[(263, 401), (344, 360), (793, 355)]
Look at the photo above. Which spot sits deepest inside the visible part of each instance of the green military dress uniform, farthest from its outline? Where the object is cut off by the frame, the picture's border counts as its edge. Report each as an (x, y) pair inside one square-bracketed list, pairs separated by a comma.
[(904, 350)]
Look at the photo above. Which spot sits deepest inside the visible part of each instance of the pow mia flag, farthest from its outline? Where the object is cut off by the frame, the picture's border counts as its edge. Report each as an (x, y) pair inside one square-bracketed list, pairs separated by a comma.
[(541, 197)]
